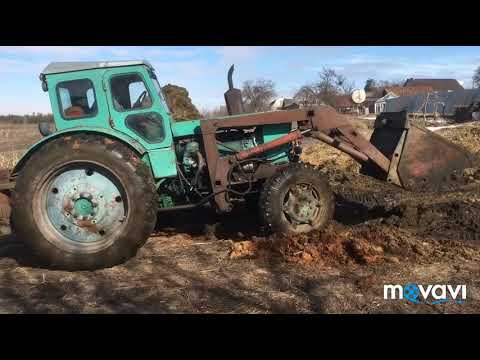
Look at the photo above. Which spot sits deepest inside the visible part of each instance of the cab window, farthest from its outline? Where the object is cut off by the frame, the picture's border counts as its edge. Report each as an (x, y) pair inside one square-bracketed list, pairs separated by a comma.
[(77, 99), (159, 89), (148, 125), (129, 93)]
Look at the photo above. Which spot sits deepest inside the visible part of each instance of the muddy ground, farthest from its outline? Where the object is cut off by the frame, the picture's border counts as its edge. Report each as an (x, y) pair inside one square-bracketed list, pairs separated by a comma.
[(199, 262)]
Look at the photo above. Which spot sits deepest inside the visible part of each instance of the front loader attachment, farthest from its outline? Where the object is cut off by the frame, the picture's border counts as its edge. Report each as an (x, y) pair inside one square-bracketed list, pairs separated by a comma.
[(420, 160)]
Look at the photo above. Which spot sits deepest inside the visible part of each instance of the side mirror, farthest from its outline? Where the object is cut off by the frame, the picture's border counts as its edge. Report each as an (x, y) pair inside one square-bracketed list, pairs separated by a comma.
[(44, 82), (46, 128)]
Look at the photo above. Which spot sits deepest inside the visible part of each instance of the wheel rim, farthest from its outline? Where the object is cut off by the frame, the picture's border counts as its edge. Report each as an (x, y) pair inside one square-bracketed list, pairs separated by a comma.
[(81, 207), (302, 205)]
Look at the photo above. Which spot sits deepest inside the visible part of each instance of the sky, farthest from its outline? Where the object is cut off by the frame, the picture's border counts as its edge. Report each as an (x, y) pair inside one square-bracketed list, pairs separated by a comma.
[(203, 69)]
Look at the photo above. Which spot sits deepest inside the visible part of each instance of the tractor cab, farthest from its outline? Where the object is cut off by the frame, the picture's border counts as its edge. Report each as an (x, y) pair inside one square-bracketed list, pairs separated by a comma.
[(123, 96)]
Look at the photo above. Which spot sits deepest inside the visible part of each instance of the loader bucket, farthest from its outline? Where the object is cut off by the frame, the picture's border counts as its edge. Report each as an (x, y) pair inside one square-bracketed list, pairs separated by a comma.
[(420, 159)]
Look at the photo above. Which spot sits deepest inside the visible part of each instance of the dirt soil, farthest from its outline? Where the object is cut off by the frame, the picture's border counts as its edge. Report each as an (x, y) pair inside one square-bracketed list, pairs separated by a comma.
[(199, 262)]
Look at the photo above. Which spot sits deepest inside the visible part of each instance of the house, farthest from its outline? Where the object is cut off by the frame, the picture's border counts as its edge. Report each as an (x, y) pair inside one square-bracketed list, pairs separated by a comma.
[(372, 96), (377, 98), (435, 84), (459, 104), (343, 103), (398, 91), (381, 103), (409, 91)]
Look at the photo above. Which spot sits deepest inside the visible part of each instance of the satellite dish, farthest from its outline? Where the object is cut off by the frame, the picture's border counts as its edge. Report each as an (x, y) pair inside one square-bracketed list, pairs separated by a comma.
[(359, 96), (277, 104)]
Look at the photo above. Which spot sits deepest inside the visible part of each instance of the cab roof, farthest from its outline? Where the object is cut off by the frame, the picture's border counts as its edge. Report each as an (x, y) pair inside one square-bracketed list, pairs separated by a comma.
[(63, 67)]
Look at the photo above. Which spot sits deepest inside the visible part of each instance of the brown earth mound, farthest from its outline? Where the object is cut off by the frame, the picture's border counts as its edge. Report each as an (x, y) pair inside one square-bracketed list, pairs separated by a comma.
[(180, 103)]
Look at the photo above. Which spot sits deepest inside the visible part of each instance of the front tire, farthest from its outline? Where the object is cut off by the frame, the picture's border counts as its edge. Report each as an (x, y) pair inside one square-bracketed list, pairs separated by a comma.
[(297, 199), (84, 202)]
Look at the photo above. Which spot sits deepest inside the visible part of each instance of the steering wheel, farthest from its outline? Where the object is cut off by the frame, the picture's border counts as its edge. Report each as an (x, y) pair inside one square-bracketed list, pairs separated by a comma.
[(140, 99)]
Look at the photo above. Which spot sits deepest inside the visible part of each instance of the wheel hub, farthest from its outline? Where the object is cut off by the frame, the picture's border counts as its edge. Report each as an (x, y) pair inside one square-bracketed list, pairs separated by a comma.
[(84, 205), (301, 204)]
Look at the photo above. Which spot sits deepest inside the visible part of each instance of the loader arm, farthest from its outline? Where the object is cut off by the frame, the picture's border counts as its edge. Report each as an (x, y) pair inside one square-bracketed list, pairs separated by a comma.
[(339, 131), (398, 152), (321, 122)]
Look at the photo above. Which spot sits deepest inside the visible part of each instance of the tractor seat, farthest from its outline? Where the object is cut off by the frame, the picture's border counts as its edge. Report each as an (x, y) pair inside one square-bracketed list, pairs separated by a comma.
[(74, 111), (146, 102)]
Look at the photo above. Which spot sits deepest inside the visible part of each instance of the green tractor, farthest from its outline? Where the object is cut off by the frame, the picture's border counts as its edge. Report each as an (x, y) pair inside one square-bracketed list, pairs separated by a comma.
[(88, 194)]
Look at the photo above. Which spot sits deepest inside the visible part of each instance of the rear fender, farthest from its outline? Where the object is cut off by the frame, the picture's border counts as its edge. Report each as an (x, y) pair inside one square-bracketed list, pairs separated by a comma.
[(109, 133)]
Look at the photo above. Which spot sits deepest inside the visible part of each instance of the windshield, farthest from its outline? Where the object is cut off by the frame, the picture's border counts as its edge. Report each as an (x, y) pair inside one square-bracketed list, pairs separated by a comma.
[(159, 89)]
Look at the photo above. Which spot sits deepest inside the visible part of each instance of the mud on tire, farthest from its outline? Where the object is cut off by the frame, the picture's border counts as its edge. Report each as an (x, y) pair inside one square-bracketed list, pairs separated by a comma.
[(275, 200), (117, 164)]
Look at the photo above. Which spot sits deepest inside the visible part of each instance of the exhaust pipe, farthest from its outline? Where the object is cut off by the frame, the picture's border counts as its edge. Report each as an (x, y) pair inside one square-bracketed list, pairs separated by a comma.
[(233, 97)]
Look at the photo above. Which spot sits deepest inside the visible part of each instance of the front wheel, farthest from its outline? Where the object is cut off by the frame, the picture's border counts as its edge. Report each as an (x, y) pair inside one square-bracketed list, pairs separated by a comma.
[(84, 202), (297, 199)]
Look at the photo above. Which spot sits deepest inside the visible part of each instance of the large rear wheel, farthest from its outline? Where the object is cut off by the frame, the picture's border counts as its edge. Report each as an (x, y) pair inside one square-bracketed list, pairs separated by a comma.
[(84, 202)]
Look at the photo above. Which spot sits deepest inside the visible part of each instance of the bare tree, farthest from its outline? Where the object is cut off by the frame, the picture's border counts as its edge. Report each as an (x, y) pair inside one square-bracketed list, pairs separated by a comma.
[(258, 95), (215, 112), (476, 78), (347, 87), (370, 84), (307, 95), (390, 83), (329, 85)]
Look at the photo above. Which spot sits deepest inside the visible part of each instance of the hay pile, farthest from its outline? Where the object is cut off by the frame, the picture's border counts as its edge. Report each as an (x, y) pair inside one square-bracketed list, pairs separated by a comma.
[(180, 103)]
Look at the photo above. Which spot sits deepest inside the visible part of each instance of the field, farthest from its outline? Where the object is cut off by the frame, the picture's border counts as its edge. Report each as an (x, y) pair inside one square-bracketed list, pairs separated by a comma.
[(199, 262), (15, 140)]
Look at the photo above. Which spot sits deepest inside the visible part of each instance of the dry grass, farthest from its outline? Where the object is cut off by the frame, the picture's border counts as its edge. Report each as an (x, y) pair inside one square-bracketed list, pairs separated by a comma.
[(8, 159), (15, 139)]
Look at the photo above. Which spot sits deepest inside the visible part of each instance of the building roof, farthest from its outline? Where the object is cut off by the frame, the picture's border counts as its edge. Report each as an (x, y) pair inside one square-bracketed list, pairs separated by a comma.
[(63, 67), (408, 91), (436, 84)]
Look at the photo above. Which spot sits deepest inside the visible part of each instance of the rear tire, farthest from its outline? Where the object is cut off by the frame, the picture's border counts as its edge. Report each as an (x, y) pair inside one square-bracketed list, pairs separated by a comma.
[(84, 202), (297, 199)]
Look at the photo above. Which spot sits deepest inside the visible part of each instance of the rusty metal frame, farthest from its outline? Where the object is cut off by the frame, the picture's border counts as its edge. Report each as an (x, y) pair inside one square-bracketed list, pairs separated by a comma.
[(218, 167), (320, 118)]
